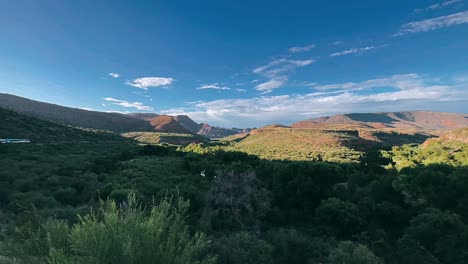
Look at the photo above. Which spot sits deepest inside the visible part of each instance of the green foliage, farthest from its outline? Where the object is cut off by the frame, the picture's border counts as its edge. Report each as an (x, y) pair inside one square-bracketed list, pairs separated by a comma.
[(295, 247), (442, 233), (348, 252), (299, 144), (162, 137), (411, 251), (124, 234), (451, 150), (282, 208), (342, 217), (235, 201), (243, 248)]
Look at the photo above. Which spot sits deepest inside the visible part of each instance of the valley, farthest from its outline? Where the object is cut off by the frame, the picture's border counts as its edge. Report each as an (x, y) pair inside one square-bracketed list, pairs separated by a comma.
[(381, 189)]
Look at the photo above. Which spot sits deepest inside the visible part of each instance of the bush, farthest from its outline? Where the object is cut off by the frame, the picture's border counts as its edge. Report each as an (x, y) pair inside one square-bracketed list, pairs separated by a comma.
[(127, 234)]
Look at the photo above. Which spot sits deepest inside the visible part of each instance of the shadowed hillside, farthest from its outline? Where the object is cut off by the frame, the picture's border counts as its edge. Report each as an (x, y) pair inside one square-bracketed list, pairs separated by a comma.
[(215, 132), (144, 116), (14, 125), (120, 123), (73, 116), (188, 123)]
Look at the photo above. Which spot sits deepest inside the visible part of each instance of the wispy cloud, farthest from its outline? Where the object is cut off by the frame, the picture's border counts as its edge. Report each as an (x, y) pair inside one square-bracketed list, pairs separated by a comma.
[(137, 105), (277, 71), (434, 23), (281, 65), (400, 81), (301, 49), (438, 5), (118, 112), (147, 82), (272, 84), (215, 86), (289, 108), (114, 75), (352, 51)]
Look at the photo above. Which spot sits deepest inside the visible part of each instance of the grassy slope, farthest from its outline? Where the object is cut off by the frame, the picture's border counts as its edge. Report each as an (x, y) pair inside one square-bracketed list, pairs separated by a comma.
[(161, 137), (299, 144), (336, 143)]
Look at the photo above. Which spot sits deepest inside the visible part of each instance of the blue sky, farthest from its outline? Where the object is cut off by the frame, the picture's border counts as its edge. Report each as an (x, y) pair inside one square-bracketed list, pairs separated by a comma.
[(238, 63)]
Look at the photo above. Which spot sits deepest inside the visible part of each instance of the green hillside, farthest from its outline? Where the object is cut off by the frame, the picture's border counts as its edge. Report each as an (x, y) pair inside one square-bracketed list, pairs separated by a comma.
[(161, 137), (301, 144), (333, 144)]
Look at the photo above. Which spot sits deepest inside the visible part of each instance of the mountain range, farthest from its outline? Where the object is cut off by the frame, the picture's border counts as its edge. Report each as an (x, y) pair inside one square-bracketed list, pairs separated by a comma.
[(392, 120), (152, 122), (115, 122)]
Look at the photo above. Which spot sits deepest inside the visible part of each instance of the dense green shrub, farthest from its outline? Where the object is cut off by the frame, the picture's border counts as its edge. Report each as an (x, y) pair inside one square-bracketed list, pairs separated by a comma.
[(243, 248), (122, 234)]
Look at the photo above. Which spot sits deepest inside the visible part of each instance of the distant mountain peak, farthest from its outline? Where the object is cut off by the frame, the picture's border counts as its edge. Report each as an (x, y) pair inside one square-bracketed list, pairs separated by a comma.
[(404, 119)]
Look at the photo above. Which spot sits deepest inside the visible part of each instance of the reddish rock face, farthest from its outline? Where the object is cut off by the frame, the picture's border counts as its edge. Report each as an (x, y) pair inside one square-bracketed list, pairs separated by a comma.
[(165, 123)]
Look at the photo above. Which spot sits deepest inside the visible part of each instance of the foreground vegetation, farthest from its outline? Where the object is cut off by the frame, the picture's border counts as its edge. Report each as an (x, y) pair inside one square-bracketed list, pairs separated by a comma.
[(405, 205)]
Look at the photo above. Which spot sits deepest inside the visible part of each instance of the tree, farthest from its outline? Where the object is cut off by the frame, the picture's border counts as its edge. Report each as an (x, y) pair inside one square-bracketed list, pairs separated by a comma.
[(236, 201), (348, 252), (341, 217), (411, 251), (243, 248), (443, 234)]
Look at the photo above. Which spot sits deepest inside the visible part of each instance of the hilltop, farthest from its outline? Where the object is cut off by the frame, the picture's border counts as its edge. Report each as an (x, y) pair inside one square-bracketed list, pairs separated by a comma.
[(401, 120)]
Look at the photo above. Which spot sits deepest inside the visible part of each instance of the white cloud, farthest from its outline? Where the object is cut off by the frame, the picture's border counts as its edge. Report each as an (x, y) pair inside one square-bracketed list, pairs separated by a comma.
[(118, 112), (271, 84), (339, 42), (290, 108), (241, 90), (254, 81), (438, 5), (215, 86), (400, 81), (86, 108), (277, 71), (434, 23), (147, 82), (281, 66), (301, 49), (123, 103), (114, 75), (352, 51)]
